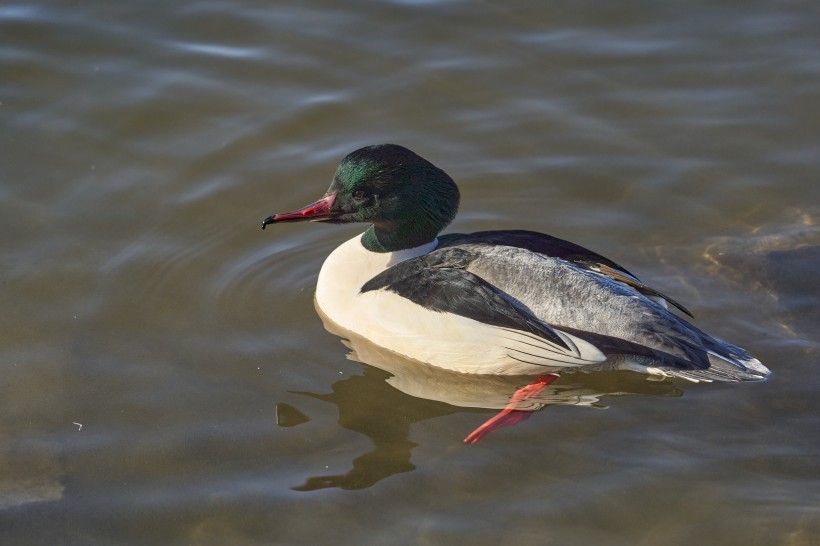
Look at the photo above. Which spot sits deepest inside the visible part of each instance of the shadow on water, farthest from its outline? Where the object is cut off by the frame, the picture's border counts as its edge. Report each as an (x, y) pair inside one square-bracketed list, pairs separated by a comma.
[(395, 392)]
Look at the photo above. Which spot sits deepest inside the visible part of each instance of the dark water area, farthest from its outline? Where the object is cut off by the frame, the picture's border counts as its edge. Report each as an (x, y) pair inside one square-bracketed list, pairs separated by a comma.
[(167, 380)]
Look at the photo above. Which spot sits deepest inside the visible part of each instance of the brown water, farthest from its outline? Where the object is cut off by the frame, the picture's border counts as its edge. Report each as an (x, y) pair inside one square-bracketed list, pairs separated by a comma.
[(166, 380)]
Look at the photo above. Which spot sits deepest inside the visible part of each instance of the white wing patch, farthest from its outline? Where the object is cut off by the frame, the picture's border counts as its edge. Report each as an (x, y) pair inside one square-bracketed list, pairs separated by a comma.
[(527, 347)]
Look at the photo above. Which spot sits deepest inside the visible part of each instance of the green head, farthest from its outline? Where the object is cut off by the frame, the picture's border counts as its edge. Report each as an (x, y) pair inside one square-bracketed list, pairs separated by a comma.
[(406, 198)]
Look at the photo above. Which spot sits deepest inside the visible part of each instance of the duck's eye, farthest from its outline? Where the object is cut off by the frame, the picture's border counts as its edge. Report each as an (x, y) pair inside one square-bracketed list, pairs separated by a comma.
[(359, 195)]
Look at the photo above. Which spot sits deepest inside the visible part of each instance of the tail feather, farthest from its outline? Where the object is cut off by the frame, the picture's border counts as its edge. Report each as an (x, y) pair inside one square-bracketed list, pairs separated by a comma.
[(695, 356), (727, 362)]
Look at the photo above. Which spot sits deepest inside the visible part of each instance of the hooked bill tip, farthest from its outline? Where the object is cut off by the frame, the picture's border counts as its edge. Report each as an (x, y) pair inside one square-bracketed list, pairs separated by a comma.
[(266, 221)]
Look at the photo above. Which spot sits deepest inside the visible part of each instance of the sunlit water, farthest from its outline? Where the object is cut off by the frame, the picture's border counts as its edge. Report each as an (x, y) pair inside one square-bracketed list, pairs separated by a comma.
[(166, 379)]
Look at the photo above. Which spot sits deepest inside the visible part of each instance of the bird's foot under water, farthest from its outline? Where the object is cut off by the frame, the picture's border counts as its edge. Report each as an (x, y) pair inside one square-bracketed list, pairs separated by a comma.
[(511, 415)]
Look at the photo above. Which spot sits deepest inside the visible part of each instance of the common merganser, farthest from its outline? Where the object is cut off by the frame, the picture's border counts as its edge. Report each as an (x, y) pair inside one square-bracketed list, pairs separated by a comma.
[(492, 302)]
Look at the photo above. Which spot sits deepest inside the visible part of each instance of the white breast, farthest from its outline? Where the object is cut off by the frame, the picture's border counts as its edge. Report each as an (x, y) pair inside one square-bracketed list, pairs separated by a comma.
[(346, 270)]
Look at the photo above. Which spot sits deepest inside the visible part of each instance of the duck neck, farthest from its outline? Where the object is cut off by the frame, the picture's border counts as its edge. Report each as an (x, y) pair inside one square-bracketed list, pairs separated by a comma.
[(392, 238)]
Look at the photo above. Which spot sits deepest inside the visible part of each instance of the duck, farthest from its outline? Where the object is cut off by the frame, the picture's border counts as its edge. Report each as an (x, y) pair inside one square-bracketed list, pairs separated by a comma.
[(501, 302)]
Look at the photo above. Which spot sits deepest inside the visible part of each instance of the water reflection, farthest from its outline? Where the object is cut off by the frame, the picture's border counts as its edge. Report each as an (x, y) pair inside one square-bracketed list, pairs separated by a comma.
[(369, 406), (395, 392)]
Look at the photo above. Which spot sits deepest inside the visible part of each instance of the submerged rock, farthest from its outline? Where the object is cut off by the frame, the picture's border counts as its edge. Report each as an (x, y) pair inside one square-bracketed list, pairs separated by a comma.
[(782, 259)]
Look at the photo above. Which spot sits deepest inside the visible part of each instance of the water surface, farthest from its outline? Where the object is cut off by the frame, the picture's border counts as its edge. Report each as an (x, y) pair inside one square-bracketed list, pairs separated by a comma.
[(166, 379)]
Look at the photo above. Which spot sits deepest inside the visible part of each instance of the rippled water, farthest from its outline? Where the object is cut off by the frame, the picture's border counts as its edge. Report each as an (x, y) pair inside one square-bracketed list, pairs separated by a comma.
[(166, 379)]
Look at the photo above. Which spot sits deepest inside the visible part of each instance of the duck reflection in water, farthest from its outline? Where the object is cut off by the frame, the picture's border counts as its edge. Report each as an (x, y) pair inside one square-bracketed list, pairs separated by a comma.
[(395, 392)]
